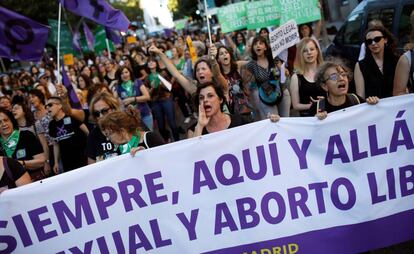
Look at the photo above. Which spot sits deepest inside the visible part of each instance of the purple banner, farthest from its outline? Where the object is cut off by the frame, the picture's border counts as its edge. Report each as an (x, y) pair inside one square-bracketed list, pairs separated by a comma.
[(20, 37), (99, 11), (75, 41), (90, 38), (73, 98), (355, 238)]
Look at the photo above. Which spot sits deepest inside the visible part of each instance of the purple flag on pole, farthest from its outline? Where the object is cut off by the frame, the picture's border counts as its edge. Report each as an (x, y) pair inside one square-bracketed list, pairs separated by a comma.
[(75, 40), (20, 37), (113, 35), (73, 98), (99, 11), (90, 38)]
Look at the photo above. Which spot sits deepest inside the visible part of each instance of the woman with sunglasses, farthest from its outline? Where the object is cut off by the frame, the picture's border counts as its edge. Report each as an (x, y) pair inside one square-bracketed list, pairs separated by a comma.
[(333, 77), (99, 147), (374, 75), (21, 145), (126, 130)]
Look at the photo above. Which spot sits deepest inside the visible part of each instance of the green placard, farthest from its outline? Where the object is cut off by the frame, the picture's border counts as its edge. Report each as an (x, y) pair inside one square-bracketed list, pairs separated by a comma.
[(100, 40), (180, 24), (262, 14), (65, 36), (302, 11), (232, 17)]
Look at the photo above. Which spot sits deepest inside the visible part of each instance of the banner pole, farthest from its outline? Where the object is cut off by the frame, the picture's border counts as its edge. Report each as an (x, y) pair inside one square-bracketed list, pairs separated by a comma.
[(208, 21), (108, 48), (58, 43), (2, 65)]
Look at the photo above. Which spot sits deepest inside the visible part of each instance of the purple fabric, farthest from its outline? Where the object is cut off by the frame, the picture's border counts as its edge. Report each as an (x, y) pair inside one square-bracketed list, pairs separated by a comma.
[(20, 37), (75, 41), (99, 11), (355, 238), (73, 98), (113, 35), (90, 38)]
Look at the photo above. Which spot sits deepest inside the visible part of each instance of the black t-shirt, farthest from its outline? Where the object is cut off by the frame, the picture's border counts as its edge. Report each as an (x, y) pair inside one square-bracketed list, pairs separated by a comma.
[(16, 171), (99, 147), (351, 100), (27, 147), (151, 139), (71, 140), (235, 120)]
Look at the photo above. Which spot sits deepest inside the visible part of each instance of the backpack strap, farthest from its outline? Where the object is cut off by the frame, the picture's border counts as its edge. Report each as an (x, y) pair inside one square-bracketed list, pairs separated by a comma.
[(353, 98), (145, 140)]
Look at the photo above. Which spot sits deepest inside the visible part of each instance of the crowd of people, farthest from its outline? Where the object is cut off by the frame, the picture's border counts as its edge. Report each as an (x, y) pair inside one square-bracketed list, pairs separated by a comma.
[(131, 98)]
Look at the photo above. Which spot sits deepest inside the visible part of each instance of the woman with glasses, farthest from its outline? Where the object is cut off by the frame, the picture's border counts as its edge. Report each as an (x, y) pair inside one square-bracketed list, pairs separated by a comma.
[(21, 145), (126, 130), (333, 77), (99, 147), (374, 75)]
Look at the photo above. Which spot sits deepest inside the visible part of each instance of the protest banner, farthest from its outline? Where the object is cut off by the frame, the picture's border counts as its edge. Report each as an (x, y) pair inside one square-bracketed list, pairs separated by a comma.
[(301, 185), (232, 17), (21, 38), (66, 41), (283, 37), (100, 35), (302, 11), (180, 24), (262, 14), (68, 59)]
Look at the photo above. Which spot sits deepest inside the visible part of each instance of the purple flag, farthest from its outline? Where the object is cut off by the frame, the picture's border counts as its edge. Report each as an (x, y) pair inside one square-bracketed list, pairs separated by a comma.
[(99, 11), (73, 98), (90, 38), (113, 35), (20, 37), (75, 40)]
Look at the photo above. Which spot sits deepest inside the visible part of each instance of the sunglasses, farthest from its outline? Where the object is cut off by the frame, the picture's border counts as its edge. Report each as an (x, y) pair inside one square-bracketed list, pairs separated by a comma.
[(98, 113), (375, 39), (50, 104), (335, 76)]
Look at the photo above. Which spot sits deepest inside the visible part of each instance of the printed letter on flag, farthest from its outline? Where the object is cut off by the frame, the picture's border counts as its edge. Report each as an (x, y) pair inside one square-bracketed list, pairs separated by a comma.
[(20, 37)]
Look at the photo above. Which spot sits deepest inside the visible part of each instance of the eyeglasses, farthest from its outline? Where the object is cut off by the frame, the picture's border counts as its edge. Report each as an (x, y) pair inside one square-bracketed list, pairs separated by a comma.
[(98, 113), (50, 104), (375, 39), (335, 76)]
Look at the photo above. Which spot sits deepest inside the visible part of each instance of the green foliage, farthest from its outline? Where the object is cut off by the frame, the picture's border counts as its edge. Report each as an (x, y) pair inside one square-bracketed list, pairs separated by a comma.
[(39, 10), (185, 8)]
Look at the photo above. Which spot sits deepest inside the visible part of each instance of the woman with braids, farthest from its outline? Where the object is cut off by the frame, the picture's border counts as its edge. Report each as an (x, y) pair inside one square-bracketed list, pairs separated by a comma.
[(126, 130)]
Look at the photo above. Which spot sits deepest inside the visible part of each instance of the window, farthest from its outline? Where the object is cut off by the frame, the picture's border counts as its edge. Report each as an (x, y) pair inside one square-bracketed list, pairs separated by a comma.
[(404, 26), (385, 15), (351, 31)]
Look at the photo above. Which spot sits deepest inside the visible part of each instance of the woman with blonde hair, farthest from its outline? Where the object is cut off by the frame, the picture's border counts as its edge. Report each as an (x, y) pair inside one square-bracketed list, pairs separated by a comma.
[(303, 88)]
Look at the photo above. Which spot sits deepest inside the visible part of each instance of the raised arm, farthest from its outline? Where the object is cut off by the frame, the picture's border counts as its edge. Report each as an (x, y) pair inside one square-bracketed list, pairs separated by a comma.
[(215, 68), (183, 81)]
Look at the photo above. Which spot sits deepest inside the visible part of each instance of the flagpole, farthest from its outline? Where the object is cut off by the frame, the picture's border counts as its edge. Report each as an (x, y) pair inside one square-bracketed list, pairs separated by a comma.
[(58, 43), (208, 22), (2, 65), (108, 48)]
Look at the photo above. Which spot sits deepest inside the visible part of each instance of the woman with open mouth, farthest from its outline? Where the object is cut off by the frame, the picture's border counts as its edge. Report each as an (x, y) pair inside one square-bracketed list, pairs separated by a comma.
[(333, 77), (374, 75)]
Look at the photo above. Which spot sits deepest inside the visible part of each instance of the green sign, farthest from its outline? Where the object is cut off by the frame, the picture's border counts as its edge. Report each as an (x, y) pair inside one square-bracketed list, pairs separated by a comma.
[(302, 11), (180, 24), (100, 40), (232, 17), (65, 36), (262, 14)]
